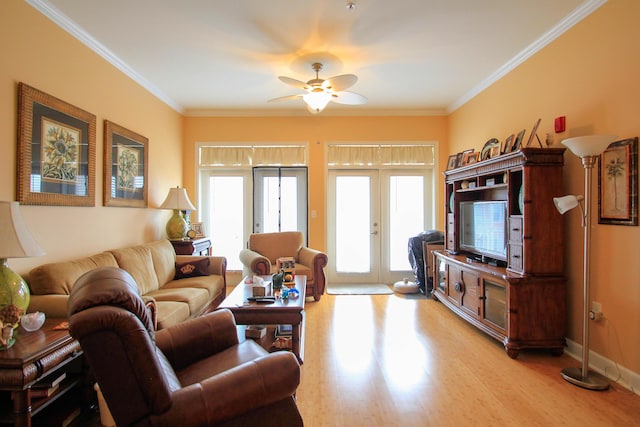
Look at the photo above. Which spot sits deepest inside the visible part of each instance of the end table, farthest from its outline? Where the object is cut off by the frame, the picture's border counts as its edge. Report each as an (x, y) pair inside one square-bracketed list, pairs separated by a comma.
[(201, 246)]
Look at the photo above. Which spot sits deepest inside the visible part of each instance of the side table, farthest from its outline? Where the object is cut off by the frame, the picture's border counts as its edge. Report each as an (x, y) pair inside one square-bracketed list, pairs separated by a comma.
[(201, 246), (35, 355)]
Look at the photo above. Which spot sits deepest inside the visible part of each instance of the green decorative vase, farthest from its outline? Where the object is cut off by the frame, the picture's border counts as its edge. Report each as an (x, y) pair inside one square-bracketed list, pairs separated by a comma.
[(177, 227), (14, 300)]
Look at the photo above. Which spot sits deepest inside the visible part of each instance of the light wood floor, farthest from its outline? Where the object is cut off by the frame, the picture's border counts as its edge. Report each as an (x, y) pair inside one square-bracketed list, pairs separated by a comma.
[(388, 360)]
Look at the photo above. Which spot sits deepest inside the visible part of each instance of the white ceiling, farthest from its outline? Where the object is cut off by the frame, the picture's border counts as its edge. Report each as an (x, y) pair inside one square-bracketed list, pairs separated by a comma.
[(223, 57)]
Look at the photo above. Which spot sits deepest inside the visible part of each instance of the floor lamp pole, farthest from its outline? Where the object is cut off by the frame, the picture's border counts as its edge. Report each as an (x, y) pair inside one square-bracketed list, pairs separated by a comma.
[(583, 377)]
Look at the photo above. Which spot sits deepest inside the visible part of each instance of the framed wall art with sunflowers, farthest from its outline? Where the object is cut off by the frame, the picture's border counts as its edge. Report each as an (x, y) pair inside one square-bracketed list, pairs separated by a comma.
[(125, 167), (56, 151)]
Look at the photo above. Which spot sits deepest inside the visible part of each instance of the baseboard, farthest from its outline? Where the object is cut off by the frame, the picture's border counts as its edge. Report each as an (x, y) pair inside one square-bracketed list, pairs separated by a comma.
[(616, 373)]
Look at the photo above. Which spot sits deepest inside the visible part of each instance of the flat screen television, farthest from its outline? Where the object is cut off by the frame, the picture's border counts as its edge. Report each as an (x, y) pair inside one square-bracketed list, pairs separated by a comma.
[(483, 228)]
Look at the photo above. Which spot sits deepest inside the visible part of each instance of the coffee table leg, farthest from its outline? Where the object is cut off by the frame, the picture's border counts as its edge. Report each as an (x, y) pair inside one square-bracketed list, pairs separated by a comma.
[(295, 341)]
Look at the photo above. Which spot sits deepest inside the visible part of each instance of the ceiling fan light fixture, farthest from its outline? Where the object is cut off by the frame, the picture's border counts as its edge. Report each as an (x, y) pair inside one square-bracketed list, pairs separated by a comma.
[(317, 101)]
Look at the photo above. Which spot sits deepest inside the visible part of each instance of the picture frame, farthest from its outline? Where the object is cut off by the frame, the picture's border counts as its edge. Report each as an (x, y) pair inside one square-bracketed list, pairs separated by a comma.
[(495, 151), (506, 147), (459, 158), (533, 134), (452, 162), (473, 158), (618, 183), (198, 227), (465, 156), (517, 144), (56, 151), (126, 165)]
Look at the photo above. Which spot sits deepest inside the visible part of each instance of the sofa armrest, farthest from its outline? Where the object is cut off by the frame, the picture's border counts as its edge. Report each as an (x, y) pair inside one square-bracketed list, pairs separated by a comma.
[(242, 389), (197, 338), (256, 263)]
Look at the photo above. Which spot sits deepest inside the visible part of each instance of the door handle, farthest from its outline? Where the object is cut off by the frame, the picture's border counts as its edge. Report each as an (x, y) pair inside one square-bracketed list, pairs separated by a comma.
[(374, 232)]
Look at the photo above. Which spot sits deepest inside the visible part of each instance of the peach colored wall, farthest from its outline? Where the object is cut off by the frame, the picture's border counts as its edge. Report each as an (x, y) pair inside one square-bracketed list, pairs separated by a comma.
[(316, 131), (37, 52), (589, 75)]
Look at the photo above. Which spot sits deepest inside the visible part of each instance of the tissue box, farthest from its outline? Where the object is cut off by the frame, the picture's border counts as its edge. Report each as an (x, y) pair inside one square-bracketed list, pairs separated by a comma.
[(255, 331), (262, 289)]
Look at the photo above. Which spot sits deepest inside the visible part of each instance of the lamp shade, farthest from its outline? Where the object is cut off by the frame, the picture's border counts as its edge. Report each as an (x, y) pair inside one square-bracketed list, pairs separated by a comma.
[(317, 101), (590, 145), (178, 199), (15, 239), (566, 203)]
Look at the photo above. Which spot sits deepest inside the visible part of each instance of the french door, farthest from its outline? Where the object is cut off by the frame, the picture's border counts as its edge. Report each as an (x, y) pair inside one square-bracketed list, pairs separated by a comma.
[(371, 216)]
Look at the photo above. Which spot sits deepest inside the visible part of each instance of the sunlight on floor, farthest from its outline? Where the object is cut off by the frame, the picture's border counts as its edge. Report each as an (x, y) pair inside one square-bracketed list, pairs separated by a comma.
[(353, 339)]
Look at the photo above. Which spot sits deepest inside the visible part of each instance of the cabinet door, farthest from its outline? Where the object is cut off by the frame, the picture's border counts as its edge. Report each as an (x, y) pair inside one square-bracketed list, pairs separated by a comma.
[(470, 292), (494, 309), (440, 285)]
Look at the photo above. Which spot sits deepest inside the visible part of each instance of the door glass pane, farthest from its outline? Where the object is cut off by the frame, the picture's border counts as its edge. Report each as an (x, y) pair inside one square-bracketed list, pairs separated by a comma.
[(280, 193), (406, 217), (226, 199), (353, 224), (495, 303)]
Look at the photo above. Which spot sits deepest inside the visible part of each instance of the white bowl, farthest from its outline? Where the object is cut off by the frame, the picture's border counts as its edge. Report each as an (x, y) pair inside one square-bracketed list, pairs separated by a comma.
[(32, 321)]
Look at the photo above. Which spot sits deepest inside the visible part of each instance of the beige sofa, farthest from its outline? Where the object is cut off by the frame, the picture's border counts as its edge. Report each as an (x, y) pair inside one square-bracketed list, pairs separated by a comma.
[(153, 266)]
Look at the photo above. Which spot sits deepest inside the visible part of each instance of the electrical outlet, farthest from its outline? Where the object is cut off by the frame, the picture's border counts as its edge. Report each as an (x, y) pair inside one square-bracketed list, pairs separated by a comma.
[(596, 311)]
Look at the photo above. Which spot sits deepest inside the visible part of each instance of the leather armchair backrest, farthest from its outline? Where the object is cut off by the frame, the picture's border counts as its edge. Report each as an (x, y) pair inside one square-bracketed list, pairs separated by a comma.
[(277, 245), (111, 323)]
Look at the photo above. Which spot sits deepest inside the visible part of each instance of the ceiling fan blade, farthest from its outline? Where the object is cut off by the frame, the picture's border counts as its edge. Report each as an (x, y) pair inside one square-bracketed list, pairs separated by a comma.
[(287, 98), (295, 83), (350, 98), (339, 83)]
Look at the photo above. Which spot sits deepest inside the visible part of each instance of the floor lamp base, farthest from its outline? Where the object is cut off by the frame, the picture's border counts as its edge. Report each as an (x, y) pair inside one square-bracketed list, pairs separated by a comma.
[(593, 380)]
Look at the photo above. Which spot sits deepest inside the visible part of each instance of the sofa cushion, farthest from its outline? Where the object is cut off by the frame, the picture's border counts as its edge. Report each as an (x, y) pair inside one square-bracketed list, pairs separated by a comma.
[(164, 258), (276, 245), (195, 268), (196, 299), (171, 313), (59, 277), (214, 285), (137, 261)]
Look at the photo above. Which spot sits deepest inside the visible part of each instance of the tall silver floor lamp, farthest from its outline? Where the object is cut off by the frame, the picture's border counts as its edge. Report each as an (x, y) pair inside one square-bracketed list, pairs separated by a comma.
[(588, 148)]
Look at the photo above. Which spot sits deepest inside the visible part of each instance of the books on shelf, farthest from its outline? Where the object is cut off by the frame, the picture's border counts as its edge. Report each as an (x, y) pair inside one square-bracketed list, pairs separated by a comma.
[(44, 392), (284, 331), (50, 381)]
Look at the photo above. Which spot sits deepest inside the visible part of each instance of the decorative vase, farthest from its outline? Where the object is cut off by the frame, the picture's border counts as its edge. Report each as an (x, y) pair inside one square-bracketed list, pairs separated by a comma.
[(176, 226), (14, 300)]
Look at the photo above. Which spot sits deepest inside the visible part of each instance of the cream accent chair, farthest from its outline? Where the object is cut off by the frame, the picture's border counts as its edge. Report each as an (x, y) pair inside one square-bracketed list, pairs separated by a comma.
[(263, 249)]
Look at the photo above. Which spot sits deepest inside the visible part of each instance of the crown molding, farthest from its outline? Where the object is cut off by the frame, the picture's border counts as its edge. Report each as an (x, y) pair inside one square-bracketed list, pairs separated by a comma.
[(581, 12)]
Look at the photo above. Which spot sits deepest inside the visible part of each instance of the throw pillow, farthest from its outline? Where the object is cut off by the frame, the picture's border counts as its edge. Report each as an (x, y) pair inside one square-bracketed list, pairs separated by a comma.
[(195, 268)]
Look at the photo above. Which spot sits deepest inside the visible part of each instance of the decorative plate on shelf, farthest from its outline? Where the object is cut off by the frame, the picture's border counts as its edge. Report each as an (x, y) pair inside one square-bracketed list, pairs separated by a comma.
[(488, 146)]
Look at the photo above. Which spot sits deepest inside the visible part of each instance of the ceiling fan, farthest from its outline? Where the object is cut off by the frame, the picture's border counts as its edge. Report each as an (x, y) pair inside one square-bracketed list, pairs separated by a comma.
[(320, 92)]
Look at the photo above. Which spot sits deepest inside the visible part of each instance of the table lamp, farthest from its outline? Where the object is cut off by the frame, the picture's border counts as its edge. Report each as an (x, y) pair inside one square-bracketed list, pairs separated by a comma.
[(15, 242), (588, 148), (178, 200)]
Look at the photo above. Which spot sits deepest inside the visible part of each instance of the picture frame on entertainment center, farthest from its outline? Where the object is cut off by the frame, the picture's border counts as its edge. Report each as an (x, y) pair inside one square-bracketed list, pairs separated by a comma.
[(452, 162), (125, 167), (56, 151), (618, 183)]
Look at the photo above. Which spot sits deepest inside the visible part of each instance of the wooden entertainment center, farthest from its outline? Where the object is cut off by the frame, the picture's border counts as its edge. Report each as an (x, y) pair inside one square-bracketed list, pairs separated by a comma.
[(518, 298)]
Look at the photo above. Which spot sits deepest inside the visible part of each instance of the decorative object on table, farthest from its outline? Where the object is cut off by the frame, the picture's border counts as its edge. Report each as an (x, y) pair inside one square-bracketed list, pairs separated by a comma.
[(517, 144), (178, 200), (15, 242), (618, 183), (32, 321), (506, 147), (588, 148), (488, 148), (125, 167), (56, 151), (276, 280), (198, 229), (534, 133)]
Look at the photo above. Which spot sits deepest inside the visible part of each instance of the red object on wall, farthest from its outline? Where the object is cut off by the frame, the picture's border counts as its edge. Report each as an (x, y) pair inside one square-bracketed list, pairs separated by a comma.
[(560, 124)]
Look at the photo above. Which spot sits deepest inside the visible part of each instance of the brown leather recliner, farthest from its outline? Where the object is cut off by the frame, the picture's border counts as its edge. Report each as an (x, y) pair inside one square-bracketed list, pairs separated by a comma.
[(195, 373), (263, 250)]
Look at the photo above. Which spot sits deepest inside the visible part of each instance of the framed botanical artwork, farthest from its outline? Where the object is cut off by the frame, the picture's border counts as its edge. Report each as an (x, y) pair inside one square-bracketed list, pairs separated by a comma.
[(452, 162), (125, 167), (198, 227), (56, 151), (618, 183)]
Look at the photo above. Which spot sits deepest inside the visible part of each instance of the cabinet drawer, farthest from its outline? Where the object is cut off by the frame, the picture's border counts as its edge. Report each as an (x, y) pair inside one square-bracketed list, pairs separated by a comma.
[(515, 229), (515, 257)]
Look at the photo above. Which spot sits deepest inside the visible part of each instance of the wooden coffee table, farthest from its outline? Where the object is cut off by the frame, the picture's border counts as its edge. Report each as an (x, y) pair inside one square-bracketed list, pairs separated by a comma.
[(281, 312)]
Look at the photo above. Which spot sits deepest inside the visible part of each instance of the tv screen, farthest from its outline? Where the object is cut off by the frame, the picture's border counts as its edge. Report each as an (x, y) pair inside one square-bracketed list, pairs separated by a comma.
[(483, 228)]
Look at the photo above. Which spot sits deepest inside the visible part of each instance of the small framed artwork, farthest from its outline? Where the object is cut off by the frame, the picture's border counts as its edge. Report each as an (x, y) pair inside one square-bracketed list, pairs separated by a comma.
[(125, 167), (451, 163), (465, 156), (618, 183), (495, 150), (459, 158), (534, 134), (56, 151), (198, 227), (517, 144), (473, 158), (506, 146)]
